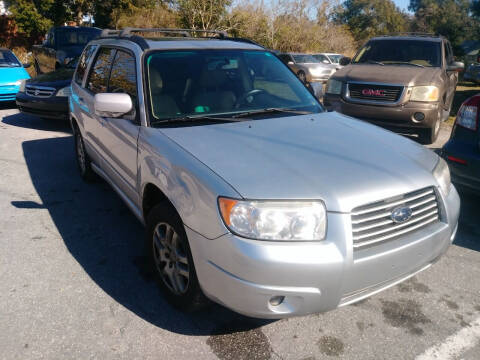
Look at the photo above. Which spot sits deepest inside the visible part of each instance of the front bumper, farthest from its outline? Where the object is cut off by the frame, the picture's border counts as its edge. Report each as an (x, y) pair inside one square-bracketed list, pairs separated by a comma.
[(321, 78), (313, 277), (8, 92), (389, 116), (465, 175), (54, 107)]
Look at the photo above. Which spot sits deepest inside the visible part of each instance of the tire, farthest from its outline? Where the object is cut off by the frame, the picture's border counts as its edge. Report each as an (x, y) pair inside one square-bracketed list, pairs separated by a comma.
[(83, 160), (302, 76), (429, 136), (170, 257)]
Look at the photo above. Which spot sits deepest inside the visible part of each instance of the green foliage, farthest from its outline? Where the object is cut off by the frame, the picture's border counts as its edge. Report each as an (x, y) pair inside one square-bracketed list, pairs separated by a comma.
[(202, 14), (450, 18), (31, 21), (368, 18)]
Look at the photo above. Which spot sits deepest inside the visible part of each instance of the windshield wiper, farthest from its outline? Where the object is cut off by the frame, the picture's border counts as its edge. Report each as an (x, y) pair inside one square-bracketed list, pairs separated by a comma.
[(270, 110), (405, 63), (190, 118)]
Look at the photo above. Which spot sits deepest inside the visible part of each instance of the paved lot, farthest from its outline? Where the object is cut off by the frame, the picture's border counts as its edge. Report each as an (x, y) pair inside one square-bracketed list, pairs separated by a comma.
[(73, 285)]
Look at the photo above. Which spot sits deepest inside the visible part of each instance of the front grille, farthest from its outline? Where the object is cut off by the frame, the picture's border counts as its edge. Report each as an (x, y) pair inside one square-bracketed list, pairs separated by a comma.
[(39, 91), (2, 96), (373, 223), (383, 93)]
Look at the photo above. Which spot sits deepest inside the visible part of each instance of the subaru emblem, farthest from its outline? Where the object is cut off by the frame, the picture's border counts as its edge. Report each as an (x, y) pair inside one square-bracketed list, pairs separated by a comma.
[(401, 214)]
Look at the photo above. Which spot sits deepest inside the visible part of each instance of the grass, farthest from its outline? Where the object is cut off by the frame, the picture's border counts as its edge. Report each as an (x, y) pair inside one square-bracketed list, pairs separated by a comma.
[(464, 90)]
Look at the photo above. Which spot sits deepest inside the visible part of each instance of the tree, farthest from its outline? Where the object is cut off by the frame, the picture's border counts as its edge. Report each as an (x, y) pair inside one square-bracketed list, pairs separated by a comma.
[(450, 18), (368, 18), (33, 18), (203, 14)]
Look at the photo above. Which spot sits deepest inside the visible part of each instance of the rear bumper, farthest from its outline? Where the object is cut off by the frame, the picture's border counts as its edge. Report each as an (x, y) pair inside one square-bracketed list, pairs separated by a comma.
[(54, 107), (400, 116), (465, 175), (314, 276)]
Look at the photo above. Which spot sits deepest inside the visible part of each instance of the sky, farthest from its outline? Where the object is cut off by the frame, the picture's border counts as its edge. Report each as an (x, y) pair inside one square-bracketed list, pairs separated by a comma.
[(402, 4)]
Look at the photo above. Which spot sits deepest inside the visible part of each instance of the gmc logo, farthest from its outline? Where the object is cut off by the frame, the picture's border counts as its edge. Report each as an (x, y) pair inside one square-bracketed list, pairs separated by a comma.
[(372, 92)]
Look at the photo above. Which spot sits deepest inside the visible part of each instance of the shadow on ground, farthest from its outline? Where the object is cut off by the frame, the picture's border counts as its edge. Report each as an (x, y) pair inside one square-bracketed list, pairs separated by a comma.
[(36, 123), (107, 241)]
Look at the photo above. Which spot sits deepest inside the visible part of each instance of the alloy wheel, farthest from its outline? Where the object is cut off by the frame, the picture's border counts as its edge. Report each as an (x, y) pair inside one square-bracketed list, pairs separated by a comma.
[(171, 259), (80, 154)]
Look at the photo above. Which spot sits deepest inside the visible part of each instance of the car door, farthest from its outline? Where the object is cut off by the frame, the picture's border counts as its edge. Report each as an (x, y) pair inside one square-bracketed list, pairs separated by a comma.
[(119, 135), (77, 99), (96, 82)]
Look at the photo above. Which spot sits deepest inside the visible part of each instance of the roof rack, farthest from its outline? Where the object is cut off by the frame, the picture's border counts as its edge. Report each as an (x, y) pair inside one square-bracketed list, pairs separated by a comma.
[(420, 34), (182, 32), (132, 34)]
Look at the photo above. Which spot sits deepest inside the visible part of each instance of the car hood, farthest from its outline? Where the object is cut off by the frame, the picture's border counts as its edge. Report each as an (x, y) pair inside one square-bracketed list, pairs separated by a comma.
[(11, 74), (328, 156), (57, 79), (392, 74)]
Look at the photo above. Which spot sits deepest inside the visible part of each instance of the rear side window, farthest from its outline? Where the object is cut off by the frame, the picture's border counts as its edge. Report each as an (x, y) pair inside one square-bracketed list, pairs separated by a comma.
[(83, 63), (123, 78), (97, 81)]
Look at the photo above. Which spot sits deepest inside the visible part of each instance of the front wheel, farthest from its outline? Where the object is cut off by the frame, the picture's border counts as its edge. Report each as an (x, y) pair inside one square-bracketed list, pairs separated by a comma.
[(430, 135), (170, 256), (83, 160)]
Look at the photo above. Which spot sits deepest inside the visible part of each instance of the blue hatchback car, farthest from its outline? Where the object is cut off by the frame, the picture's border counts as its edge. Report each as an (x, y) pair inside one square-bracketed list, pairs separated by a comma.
[(12, 72)]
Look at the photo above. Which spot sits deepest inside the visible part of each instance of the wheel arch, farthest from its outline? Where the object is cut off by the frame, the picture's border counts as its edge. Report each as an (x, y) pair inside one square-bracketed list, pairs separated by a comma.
[(152, 196)]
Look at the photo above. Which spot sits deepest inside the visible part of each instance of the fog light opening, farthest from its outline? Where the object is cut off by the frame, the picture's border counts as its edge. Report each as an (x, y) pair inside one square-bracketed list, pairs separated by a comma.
[(276, 300), (419, 116)]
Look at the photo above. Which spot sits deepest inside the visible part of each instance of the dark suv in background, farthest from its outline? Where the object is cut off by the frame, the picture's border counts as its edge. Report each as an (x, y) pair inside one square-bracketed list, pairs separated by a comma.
[(61, 46), (404, 83)]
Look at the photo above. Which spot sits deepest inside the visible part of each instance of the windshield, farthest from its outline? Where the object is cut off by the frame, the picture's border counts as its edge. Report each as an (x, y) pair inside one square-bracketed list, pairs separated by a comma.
[(214, 82), (303, 59), (335, 58), (75, 36), (418, 52), (7, 59)]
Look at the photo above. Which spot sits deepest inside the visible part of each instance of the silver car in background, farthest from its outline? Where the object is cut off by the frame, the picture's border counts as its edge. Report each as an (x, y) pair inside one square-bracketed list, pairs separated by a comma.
[(308, 68), (329, 58), (252, 195)]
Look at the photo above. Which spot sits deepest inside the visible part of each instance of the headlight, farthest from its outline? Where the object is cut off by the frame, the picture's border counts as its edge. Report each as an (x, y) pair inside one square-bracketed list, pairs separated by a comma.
[(424, 93), (16, 83), (22, 84), (275, 220), (66, 91), (442, 175), (334, 87)]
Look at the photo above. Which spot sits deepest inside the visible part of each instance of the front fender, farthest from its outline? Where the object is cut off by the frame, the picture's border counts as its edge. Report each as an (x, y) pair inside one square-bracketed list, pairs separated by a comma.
[(191, 187)]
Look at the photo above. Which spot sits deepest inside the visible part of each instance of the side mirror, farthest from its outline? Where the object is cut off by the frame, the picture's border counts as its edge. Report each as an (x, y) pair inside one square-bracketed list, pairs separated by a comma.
[(345, 61), (456, 66), (290, 63), (325, 61), (27, 65), (112, 104)]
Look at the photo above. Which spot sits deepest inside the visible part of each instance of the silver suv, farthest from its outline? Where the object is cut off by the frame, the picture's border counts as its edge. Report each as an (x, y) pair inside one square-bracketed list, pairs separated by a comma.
[(252, 195)]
